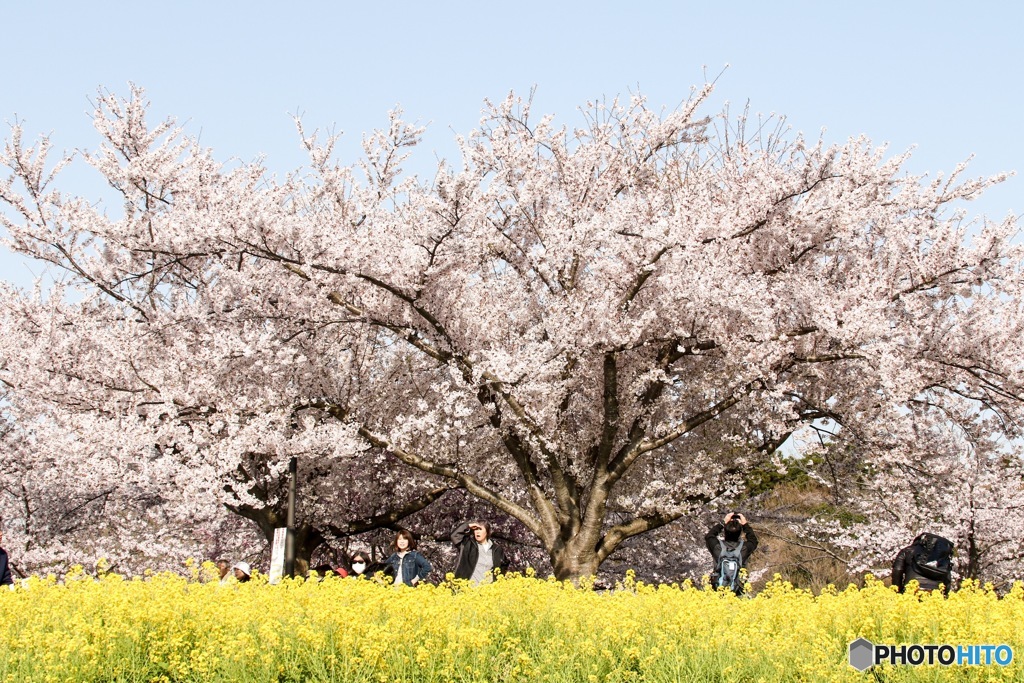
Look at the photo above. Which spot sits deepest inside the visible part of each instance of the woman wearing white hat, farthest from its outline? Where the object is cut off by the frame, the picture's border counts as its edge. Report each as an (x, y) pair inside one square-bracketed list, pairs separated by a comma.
[(243, 572)]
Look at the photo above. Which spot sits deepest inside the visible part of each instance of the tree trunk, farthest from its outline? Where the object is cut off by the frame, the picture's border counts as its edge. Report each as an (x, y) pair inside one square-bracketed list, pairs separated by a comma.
[(307, 538), (572, 565), (973, 554)]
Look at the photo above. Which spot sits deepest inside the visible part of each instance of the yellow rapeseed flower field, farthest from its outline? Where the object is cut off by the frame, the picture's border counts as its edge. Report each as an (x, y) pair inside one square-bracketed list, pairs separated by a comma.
[(168, 628)]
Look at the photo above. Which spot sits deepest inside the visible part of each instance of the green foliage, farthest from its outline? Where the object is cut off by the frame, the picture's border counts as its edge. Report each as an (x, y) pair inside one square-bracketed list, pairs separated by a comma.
[(768, 475)]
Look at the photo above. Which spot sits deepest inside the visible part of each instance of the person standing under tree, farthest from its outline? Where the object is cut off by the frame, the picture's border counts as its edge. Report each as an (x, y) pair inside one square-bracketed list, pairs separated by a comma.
[(361, 565), (730, 554), (479, 556), (5, 566), (242, 571), (409, 565)]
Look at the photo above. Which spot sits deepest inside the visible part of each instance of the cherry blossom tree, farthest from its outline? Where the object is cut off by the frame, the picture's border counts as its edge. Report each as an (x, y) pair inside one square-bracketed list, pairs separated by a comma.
[(83, 469), (74, 490), (963, 485), (595, 330)]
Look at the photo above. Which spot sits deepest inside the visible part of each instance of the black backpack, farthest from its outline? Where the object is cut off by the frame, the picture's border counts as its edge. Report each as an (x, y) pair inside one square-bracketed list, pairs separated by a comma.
[(933, 557)]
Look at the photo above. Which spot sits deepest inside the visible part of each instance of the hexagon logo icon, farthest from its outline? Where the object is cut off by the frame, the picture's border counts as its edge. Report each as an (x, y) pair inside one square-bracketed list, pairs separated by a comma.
[(862, 654)]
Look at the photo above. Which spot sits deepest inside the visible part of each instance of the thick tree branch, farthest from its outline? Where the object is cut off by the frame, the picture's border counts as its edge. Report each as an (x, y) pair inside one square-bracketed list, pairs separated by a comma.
[(389, 519), (645, 274), (468, 482), (622, 464)]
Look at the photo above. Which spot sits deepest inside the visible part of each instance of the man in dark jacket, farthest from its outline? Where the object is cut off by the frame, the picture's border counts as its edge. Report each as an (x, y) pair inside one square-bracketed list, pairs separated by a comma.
[(5, 566), (905, 568), (739, 540), (479, 556)]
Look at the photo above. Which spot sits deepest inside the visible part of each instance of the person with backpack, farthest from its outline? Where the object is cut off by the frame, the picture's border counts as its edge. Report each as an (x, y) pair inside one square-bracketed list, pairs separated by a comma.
[(731, 552), (928, 560)]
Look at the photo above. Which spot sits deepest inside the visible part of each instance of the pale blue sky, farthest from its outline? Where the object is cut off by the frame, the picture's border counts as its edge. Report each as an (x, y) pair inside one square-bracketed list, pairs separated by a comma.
[(944, 76)]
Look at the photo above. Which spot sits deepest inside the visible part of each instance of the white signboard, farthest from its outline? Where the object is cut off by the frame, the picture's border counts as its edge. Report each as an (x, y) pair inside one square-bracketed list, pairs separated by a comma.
[(277, 555)]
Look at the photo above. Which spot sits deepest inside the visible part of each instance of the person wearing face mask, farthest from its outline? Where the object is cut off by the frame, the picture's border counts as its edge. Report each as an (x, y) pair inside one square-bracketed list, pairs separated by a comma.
[(479, 557), (409, 565), (362, 566)]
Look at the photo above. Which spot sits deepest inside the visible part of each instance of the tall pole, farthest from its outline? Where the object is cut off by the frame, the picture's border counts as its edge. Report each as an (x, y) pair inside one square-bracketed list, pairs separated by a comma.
[(289, 544)]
